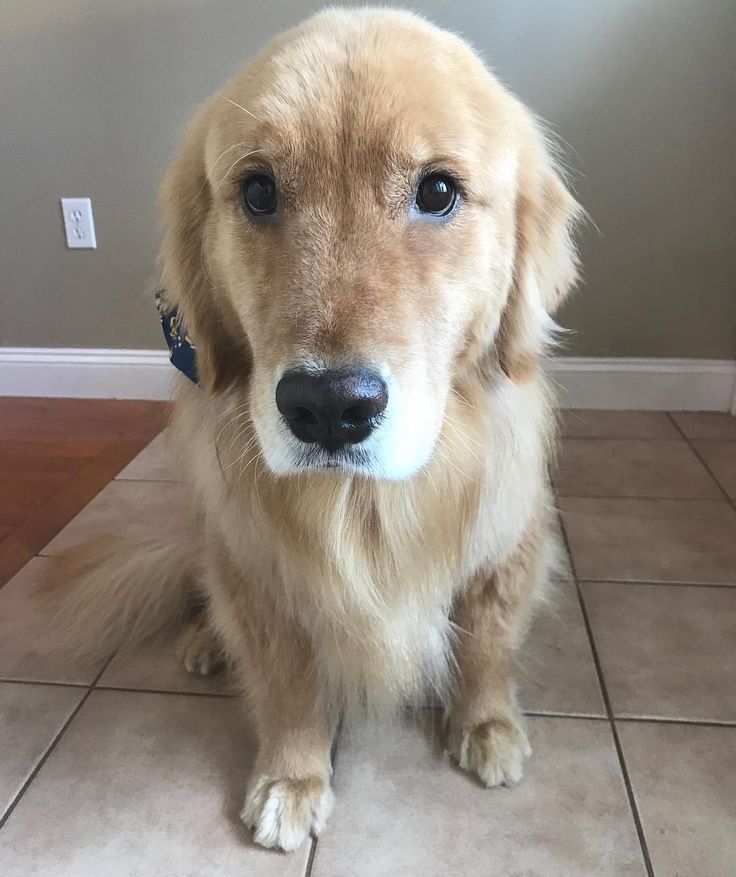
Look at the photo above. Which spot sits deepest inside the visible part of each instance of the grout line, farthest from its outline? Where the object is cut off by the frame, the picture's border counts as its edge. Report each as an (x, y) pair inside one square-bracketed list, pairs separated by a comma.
[(557, 714), (661, 583), (716, 500), (52, 746), (128, 690), (312, 852), (712, 438), (625, 438), (641, 438), (707, 468), (48, 682), (333, 761), (698, 723), (638, 496), (609, 710), (651, 720), (536, 714)]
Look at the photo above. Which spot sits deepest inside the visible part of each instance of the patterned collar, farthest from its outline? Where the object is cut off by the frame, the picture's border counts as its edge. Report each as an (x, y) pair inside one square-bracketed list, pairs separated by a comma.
[(182, 350)]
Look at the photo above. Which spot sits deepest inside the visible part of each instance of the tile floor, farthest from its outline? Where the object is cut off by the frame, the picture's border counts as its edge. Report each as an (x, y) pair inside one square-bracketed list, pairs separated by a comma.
[(136, 768)]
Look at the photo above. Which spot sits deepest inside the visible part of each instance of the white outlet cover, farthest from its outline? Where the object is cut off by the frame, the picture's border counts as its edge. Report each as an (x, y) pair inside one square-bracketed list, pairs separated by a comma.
[(79, 224)]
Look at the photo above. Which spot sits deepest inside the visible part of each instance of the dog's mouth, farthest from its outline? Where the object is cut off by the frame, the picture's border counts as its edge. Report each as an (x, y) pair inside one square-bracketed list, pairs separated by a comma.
[(349, 459)]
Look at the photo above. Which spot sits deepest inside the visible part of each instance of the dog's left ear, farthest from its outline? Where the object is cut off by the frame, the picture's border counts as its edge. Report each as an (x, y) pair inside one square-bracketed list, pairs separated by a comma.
[(545, 267), (222, 357)]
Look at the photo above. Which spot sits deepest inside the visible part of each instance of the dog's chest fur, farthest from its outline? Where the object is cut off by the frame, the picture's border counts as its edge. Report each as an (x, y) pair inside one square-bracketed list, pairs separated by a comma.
[(368, 570)]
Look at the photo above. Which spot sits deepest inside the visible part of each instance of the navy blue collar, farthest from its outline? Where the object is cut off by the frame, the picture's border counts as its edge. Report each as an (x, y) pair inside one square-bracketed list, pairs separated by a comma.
[(182, 350)]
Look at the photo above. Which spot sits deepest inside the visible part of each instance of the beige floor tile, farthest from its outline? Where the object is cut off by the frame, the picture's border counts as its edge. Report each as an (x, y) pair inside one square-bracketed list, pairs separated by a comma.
[(143, 784), (684, 780), (116, 508), (666, 651), (721, 457), (626, 467), (558, 674), (30, 718), (706, 424), (585, 423), (154, 665), (402, 810), (652, 540), (20, 656), (154, 463)]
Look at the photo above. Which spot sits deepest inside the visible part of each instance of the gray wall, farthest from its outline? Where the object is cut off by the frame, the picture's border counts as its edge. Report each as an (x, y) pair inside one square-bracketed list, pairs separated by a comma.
[(94, 93)]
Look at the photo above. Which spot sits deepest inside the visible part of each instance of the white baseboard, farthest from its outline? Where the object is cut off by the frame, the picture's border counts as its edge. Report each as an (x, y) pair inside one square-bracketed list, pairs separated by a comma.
[(83, 373), (656, 384)]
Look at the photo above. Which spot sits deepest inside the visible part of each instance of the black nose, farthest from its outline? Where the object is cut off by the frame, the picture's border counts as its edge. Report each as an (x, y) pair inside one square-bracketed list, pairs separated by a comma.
[(332, 407)]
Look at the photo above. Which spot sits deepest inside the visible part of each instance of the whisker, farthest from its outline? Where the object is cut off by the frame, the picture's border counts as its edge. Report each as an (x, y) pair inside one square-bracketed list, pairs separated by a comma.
[(247, 112), (431, 480), (462, 398), (465, 437), (230, 423), (447, 458), (214, 164), (223, 153), (456, 425), (259, 459), (252, 460), (232, 410), (244, 464), (247, 448), (237, 161), (234, 419), (241, 431)]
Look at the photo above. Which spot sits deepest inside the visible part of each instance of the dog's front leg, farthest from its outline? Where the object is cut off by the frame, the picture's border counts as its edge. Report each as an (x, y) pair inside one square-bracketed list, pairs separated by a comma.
[(289, 795), (486, 730)]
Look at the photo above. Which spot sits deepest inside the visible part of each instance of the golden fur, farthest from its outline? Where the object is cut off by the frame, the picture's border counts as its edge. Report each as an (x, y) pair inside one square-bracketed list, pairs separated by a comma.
[(332, 589)]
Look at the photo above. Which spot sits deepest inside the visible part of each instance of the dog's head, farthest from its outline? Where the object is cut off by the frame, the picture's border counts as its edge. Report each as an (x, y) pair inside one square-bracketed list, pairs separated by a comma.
[(356, 223)]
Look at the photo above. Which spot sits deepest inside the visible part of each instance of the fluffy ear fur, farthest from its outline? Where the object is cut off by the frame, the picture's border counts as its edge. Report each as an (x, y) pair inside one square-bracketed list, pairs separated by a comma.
[(545, 270), (185, 197)]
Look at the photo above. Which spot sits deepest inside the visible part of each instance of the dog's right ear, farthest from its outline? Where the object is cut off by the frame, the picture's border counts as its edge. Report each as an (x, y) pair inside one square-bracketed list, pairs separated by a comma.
[(546, 264), (185, 197)]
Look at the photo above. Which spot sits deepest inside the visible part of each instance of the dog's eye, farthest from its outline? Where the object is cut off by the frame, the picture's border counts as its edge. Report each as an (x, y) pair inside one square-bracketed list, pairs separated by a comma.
[(258, 194), (436, 194)]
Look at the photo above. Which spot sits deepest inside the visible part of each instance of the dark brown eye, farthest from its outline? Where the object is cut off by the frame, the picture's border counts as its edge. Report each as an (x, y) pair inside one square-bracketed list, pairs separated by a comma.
[(258, 194), (436, 194)]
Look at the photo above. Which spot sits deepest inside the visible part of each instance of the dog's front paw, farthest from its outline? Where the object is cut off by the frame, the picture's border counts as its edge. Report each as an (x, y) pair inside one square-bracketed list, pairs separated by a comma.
[(283, 812), (494, 751)]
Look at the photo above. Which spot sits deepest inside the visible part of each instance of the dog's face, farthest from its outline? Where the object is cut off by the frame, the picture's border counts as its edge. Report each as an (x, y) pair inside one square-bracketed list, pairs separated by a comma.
[(357, 221)]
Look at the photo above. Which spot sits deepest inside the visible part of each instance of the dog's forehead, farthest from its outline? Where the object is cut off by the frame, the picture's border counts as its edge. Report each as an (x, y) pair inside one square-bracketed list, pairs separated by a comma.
[(357, 100)]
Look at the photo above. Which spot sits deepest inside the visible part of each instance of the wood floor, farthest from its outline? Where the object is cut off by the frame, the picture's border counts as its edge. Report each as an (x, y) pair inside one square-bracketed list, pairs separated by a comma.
[(55, 455)]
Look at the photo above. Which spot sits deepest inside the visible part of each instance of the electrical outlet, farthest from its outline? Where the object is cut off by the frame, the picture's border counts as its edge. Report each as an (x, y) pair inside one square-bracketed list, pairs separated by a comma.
[(79, 223)]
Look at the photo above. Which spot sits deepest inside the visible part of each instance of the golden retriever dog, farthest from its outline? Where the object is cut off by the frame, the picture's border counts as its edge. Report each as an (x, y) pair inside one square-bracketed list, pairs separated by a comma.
[(365, 236)]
